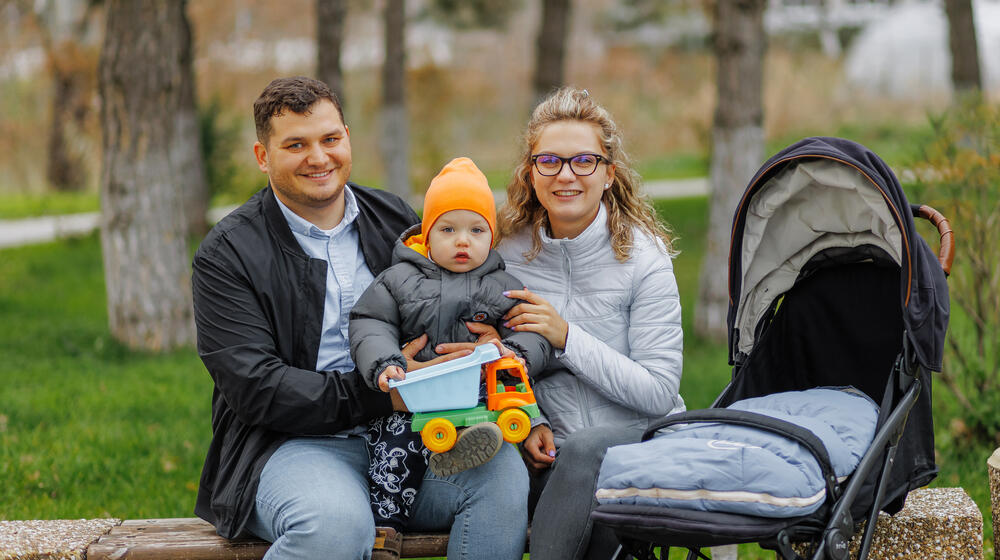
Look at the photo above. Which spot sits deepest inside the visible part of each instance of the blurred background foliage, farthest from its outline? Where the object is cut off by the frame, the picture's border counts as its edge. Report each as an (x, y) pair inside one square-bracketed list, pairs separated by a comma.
[(468, 88)]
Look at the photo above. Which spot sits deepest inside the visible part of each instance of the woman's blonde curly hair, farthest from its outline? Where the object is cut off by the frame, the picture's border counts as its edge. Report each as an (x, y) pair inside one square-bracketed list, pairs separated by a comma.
[(626, 208)]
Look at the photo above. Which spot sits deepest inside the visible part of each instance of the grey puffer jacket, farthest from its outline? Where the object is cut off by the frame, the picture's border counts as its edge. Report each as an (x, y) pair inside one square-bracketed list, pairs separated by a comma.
[(416, 296), (622, 361)]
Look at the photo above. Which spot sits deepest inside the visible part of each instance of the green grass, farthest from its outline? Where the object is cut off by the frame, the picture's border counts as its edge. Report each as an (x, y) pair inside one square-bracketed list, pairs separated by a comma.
[(14, 206), (674, 166), (87, 428), (90, 429), (895, 142)]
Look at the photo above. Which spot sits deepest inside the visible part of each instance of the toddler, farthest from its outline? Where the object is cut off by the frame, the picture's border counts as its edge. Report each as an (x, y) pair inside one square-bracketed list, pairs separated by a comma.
[(445, 273)]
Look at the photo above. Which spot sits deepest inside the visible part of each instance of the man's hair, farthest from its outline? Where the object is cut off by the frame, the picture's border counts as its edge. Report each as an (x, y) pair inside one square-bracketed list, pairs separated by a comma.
[(297, 94)]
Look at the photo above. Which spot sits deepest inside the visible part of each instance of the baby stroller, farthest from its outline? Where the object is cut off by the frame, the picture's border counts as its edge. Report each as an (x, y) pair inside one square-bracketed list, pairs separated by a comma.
[(830, 286)]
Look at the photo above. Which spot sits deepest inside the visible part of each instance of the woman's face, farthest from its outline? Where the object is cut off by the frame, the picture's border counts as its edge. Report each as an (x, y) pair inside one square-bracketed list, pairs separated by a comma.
[(571, 201)]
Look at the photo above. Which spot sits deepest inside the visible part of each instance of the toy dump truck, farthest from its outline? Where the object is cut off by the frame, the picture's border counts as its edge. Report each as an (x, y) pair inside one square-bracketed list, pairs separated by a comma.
[(445, 396)]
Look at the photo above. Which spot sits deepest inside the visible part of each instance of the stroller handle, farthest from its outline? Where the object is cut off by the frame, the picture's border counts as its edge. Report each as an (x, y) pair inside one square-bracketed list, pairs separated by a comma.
[(946, 251)]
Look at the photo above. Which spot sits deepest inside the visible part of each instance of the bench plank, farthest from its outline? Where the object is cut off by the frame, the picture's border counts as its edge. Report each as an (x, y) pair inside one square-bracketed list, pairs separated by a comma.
[(194, 539)]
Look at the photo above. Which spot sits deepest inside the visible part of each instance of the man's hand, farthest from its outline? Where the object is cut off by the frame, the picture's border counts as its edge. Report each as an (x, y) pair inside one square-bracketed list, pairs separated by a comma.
[(391, 372), (486, 334), (397, 401), (411, 348), (540, 449)]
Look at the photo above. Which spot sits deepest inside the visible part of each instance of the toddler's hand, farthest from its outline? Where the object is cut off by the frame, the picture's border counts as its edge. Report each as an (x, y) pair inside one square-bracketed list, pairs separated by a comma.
[(504, 351), (391, 372)]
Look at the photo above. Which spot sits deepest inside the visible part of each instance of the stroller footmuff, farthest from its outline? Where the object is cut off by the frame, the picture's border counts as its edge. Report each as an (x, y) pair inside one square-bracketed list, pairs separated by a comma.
[(836, 304), (732, 468)]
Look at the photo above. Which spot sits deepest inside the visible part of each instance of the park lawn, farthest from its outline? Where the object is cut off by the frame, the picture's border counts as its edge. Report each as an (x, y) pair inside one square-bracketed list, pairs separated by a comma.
[(18, 205), (89, 429)]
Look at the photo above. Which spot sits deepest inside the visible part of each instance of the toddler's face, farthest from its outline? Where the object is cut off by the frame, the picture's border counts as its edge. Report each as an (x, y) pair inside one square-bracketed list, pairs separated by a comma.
[(460, 240)]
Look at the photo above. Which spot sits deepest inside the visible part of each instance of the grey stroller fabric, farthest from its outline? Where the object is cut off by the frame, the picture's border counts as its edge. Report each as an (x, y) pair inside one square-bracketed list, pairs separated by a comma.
[(737, 469)]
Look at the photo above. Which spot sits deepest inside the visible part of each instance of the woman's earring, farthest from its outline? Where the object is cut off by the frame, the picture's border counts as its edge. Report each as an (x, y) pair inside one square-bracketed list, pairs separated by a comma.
[(607, 186)]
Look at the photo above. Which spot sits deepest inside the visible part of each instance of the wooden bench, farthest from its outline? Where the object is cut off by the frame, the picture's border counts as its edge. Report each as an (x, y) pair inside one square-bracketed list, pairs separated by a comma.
[(191, 538), (940, 523)]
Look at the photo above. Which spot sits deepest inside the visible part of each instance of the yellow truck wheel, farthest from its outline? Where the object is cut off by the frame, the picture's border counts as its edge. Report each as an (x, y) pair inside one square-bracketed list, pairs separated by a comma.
[(439, 435), (514, 425)]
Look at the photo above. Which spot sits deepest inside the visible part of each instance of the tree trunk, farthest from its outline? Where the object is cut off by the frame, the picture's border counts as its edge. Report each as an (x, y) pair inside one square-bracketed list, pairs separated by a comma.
[(829, 40), (965, 75), (395, 137), (330, 16), (550, 53), (66, 166), (737, 147), (192, 175), (65, 28), (143, 229)]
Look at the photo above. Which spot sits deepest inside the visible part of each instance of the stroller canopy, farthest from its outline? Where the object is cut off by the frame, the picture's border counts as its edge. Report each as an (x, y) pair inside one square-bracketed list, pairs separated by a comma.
[(823, 196)]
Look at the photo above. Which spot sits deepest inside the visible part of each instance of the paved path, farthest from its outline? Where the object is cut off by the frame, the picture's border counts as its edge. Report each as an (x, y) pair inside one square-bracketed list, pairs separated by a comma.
[(14, 233)]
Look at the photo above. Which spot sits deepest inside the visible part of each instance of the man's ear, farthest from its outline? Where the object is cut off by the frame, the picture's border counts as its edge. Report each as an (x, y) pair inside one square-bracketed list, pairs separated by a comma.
[(260, 152)]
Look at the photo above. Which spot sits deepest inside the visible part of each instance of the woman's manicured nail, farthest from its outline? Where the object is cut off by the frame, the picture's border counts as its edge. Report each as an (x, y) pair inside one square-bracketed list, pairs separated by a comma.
[(552, 453), (507, 293)]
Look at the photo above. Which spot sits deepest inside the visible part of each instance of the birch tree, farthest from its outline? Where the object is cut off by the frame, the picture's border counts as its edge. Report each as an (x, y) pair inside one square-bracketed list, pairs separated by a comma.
[(737, 146), (395, 138), (965, 72), (143, 228), (330, 16), (550, 48)]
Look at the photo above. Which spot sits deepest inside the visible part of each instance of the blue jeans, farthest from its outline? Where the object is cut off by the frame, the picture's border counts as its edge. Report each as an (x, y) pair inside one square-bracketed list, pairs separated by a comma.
[(312, 502)]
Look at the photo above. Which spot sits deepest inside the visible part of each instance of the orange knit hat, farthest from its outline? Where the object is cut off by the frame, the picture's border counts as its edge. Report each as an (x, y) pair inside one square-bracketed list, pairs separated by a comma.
[(459, 186)]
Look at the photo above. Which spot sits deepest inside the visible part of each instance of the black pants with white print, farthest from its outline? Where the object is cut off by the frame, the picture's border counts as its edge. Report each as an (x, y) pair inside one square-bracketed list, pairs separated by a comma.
[(398, 461)]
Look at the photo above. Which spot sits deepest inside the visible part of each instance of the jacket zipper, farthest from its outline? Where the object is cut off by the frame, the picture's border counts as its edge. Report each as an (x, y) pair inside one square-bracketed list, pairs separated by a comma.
[(585, 418)]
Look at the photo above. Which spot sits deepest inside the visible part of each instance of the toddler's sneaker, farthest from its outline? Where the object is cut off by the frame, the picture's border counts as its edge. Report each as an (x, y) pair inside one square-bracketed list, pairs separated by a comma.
[(475, 445)]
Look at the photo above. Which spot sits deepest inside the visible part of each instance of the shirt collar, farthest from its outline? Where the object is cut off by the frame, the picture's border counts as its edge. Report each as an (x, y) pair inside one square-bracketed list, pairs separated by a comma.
[(301, 226)]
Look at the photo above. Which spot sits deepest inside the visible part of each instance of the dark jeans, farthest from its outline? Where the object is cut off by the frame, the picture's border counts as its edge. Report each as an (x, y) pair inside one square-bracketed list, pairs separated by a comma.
[(563, 496)]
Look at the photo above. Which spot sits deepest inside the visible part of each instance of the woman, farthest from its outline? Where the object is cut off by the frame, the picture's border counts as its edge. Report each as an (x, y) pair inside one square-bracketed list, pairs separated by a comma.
[(600, 287)]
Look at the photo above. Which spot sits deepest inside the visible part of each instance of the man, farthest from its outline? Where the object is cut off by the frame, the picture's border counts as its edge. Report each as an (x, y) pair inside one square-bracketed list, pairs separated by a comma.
[(273, 285)]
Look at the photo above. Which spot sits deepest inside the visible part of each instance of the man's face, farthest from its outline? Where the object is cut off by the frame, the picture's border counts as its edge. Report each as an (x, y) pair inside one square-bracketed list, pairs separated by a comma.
[(460, 240), (308, 161)]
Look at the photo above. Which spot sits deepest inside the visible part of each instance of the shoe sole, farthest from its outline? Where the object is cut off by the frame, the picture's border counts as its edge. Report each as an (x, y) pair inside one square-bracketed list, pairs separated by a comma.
[(475, 446)]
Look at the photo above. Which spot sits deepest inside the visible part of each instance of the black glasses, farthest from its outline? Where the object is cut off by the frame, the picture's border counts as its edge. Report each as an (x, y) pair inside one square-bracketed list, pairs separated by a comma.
[(580, 164)]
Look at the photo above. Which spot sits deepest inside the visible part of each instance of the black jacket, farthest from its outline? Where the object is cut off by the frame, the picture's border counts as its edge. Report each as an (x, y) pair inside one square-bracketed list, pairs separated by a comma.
[(258, 302)]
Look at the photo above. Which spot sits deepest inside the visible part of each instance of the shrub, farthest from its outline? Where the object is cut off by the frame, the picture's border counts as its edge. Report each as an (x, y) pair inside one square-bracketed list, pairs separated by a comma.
[(221, 144), (959, 174)]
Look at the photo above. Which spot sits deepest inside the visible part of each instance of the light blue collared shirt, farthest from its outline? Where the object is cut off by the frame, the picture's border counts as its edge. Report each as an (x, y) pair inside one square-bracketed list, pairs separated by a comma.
[(347, 277)]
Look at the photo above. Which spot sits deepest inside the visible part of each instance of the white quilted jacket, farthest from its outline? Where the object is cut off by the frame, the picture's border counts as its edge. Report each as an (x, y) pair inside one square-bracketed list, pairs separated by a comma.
[(622, 362)]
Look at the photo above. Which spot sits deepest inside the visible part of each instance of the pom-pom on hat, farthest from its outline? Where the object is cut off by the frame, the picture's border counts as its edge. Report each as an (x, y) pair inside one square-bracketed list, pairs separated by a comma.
[(459, 186)]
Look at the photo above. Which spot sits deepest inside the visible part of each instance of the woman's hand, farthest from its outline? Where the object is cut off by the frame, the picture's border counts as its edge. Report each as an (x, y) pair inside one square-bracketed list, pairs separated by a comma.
[(535, 314), (540, 449)]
